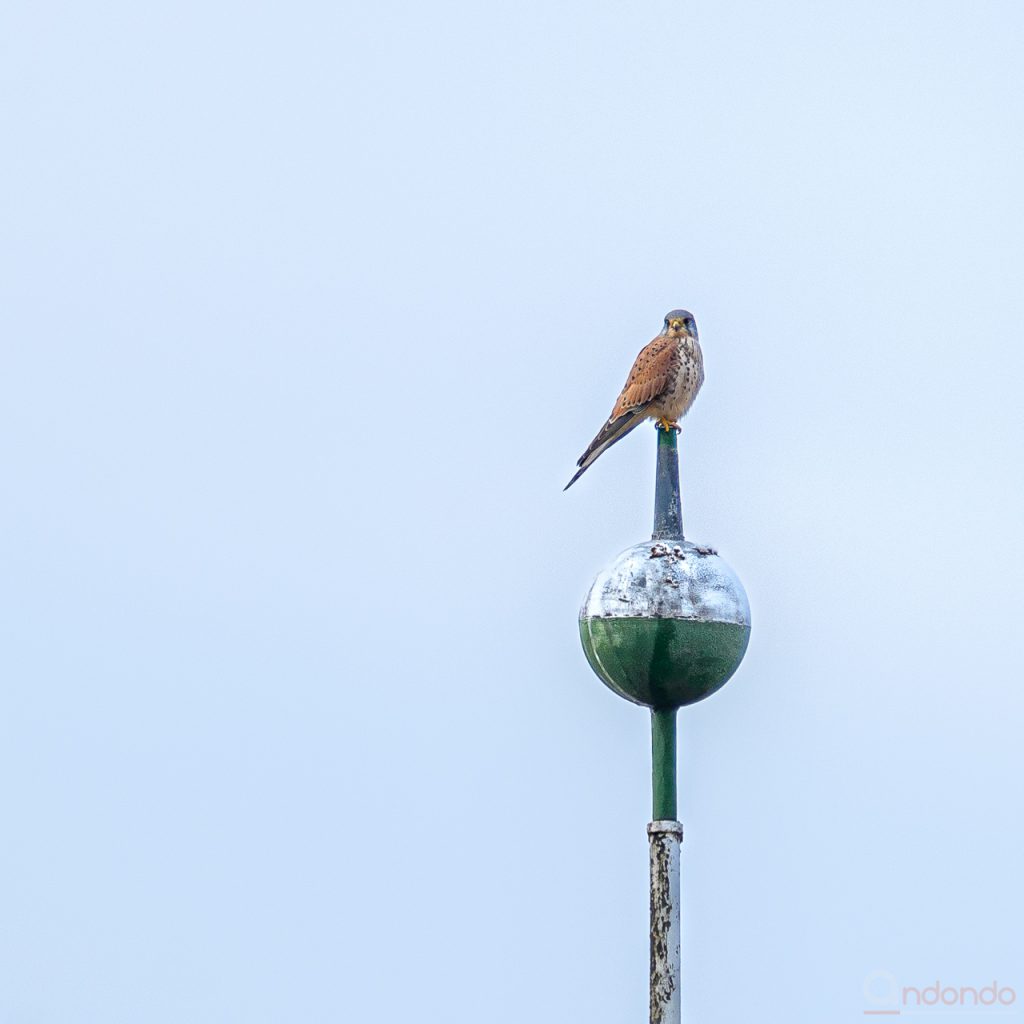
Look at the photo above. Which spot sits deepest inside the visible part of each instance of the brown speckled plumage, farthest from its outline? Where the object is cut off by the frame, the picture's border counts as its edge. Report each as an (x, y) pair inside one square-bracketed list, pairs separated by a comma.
[(662, 385)]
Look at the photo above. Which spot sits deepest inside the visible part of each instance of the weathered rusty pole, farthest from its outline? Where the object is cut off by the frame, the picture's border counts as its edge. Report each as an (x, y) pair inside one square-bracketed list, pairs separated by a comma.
[(666, 625)]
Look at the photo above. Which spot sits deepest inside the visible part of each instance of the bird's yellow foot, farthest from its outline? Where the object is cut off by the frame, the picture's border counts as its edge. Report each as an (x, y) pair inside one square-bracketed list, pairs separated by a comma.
[(667, 425)]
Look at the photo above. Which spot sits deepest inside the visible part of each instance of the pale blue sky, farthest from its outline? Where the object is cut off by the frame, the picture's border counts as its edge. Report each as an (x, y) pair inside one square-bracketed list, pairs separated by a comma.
[(307, 311)]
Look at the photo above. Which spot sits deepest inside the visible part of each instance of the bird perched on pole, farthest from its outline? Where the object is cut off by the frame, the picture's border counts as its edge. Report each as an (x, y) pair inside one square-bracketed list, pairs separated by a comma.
[(661, 386)]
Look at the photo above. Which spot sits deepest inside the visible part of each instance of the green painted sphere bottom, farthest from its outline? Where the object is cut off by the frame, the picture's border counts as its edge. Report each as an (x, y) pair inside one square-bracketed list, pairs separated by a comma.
[(663, 663)]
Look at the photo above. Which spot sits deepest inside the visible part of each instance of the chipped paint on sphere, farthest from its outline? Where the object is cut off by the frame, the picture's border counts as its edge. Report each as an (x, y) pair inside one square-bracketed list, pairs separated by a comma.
[(668, 581)]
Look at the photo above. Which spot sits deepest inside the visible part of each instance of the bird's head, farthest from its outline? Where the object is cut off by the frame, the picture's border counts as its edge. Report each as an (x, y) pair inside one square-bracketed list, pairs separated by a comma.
[(680, 322)]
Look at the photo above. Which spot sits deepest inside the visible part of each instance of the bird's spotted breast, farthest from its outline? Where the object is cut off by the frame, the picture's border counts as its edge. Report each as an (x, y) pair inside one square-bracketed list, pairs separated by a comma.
[(688, 380)]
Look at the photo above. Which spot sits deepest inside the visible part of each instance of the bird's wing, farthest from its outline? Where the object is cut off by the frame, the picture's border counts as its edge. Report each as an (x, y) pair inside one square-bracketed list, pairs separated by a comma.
[(652, 375), (614, 430)]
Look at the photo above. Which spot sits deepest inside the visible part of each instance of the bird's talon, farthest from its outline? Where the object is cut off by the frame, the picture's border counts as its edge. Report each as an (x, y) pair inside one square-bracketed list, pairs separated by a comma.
[(667, 425)]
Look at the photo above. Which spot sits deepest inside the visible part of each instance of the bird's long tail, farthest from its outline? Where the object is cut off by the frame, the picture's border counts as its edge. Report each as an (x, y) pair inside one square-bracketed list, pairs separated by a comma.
[(614, 430)]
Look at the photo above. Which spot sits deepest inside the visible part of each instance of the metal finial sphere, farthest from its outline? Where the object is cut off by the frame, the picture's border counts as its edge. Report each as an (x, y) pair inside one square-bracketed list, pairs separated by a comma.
[(666, 624)]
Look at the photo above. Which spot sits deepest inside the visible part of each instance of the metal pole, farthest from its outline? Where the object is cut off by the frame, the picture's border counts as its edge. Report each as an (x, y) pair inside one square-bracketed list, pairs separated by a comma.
[(663, 763), (668, 503), (665, 833), (665, 626), (666, 1002)]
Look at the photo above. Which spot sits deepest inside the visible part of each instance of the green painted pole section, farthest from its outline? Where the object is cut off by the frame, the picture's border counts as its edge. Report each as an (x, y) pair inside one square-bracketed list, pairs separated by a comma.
[(663, 763)]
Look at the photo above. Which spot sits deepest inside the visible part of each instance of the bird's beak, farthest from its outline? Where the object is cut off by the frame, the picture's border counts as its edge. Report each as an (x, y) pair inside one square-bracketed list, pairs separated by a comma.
[(675, 324)]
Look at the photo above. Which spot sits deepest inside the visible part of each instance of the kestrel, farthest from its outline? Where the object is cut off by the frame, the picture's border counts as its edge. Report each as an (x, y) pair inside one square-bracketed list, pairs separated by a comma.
[(661, 386)]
